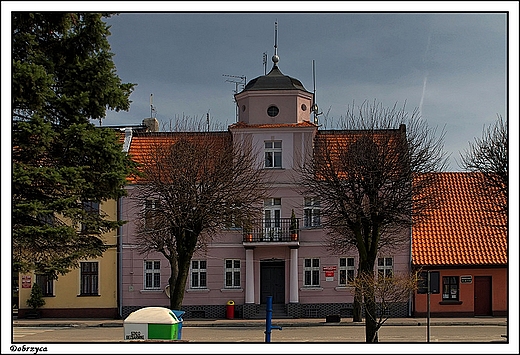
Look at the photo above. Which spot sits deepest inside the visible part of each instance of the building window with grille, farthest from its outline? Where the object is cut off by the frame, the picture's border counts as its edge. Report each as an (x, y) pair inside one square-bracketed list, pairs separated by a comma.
[(273, 154), (46, 283), (152, 274), (198, 274), (311, 272), (311, 212), (232, 273), (346, 271), (91, 208), (89, 278), (450, 288), (385, 267)]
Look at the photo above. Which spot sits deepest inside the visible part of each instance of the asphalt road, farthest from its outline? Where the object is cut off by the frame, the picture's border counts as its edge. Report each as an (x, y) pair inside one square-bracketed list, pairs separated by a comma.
[(325, 334)]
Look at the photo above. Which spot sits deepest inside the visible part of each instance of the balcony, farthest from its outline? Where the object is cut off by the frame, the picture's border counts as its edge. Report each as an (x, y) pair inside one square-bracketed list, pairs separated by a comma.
[(272, 230)]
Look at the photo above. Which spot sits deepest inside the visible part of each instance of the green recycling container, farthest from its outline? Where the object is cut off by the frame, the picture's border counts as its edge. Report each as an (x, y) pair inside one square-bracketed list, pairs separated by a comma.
[(152, 323)]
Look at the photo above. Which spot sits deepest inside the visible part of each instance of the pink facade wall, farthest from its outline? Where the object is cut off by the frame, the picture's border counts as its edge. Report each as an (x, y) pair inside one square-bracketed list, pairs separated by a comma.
[(252, 106), (228, 245), (297, 145)]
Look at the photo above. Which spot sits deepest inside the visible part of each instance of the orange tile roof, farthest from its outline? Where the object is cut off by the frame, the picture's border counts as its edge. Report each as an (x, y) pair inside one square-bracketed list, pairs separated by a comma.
[(459, 231), (272, 125), (143, 144), (331, 145)]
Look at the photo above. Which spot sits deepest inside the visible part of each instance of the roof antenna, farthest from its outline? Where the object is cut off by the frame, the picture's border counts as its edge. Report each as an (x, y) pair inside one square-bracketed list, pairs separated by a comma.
[(152, 108), (265, 62), (240, 84), (314, 108), (275, 56)]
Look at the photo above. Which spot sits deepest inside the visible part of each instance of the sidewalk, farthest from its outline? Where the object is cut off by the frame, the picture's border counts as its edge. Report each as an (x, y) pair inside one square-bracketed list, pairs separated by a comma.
[(300, 322)]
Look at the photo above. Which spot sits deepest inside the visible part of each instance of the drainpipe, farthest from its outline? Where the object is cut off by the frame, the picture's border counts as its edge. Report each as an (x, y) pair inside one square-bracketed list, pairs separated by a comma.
[(411, 270), (119, 260)]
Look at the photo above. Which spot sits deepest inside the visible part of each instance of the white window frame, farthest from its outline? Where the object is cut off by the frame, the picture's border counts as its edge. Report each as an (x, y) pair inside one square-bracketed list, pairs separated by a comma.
[(273, 154), (153, 271), (311, 212), (311, 267), (345, 270), (272, 218), (234, 273), (385, 266), (199, 272), (450, 288)]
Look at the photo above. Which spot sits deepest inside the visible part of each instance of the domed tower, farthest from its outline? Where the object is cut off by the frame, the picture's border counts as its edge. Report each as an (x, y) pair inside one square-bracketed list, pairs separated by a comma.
[(274, 98)]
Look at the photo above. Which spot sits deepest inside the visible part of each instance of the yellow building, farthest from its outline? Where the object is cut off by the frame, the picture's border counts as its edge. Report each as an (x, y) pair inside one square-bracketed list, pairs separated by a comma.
[(87, 291)]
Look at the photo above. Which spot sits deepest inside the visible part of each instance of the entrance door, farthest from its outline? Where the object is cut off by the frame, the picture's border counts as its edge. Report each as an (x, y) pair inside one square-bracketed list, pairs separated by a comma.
[(482, 292), (272, 281)]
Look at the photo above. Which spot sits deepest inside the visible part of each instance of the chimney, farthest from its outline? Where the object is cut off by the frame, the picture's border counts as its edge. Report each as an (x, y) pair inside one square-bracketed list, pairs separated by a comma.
[(151, 124)]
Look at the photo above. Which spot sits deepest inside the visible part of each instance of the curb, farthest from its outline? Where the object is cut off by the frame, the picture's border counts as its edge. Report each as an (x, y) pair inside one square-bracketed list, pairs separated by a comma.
[(245, 324)]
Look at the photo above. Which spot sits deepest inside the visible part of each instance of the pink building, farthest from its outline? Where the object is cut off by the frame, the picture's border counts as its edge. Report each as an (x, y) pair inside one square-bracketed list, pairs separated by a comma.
[(304, 278)]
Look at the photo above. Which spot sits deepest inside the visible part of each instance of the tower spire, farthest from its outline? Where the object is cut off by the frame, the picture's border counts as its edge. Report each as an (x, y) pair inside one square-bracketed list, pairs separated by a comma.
[(275, 56)]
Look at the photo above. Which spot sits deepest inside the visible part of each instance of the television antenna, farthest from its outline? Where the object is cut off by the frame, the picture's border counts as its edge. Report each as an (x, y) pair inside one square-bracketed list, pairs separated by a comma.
[(240, 84), (315, 110), (152, 107)]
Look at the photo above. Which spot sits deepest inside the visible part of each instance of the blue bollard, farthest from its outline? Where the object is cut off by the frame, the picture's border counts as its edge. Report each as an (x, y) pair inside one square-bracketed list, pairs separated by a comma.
[(268, 319)]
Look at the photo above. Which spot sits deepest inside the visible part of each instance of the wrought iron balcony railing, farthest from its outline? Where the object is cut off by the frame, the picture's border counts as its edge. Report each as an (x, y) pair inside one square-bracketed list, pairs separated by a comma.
[(272, 230)]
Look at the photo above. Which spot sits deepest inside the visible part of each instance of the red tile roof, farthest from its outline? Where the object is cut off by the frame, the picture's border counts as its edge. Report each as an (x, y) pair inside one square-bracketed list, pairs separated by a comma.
[(143, 144), (459, 232)]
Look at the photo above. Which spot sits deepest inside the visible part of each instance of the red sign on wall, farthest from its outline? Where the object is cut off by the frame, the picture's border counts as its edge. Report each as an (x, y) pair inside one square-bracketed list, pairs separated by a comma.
[(26, 281), (329, 272)]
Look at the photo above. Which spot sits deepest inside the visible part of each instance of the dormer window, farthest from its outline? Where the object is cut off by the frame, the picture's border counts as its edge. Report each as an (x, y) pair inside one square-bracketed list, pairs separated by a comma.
[(273, 154), (272, 111)]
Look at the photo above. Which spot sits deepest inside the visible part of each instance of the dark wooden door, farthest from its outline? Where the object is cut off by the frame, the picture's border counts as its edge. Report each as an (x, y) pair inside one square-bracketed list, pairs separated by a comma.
[(482, 292), (272, 281)]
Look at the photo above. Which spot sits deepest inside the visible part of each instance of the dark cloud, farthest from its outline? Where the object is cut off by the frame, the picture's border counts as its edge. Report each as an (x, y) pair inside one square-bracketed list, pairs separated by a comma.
[(445, 62)]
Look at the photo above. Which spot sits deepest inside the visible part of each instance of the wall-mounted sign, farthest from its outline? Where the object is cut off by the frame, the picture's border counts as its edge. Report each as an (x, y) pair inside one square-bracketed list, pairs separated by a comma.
[(26, 281), (466, 279), (329, 272)]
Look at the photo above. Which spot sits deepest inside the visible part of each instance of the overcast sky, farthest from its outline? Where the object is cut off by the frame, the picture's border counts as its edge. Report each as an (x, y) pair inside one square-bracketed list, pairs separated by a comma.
[(452, 66)]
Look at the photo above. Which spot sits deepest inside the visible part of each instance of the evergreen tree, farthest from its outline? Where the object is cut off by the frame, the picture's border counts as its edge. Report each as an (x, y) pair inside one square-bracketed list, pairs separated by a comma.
[(63, 77), (36, 300)]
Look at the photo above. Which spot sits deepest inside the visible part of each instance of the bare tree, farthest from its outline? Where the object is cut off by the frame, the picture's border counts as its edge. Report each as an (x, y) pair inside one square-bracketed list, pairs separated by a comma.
[(487, 156), (193, 185), (371, 176), (388, 292)]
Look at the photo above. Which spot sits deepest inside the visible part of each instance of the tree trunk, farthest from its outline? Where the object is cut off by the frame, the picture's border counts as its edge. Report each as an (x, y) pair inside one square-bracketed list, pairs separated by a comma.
[(180, 284), (371, 335), (367, 268), (174, 271), (356, 310)]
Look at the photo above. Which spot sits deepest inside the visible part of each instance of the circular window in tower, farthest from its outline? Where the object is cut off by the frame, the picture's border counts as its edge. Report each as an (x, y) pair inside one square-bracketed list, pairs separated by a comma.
[(304, 107), (272, 111), (243, 108)]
